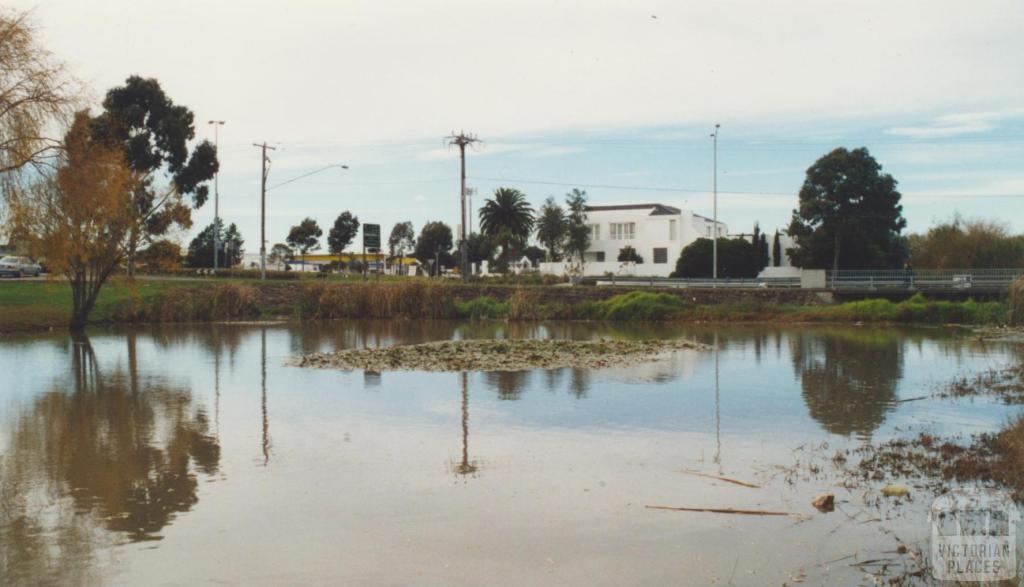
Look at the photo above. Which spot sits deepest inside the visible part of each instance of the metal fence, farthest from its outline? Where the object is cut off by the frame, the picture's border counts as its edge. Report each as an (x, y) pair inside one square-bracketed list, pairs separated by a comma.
[(982, 280), (923, 279)]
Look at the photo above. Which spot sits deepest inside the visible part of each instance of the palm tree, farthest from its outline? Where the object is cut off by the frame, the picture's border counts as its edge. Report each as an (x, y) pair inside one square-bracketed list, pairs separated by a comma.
[(507, 219), (552, 227)]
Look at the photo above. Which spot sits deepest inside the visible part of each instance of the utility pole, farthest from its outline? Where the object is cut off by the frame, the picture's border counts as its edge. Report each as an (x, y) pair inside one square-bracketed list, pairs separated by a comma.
[(264, 170), (462, 139), (216, 198), (714, 229)]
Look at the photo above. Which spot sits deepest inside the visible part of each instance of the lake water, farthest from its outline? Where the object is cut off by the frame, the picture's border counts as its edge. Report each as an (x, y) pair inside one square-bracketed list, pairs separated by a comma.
[(194, 455)]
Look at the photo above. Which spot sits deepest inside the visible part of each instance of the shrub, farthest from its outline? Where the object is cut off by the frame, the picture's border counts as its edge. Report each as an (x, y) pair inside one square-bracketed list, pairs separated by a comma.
[(524, 304), (481, 308), (637, 305)]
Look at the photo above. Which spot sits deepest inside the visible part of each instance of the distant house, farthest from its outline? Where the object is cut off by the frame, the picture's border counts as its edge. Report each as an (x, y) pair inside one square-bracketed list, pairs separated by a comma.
[(658, 233)]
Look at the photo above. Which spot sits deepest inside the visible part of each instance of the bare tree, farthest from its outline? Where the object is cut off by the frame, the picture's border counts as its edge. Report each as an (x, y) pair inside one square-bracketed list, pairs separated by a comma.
[(36, 97)]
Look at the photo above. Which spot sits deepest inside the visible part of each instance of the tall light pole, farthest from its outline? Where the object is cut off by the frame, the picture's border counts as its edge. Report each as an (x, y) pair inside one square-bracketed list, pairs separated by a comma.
[(264, 172), (216, 197), (714, 229)]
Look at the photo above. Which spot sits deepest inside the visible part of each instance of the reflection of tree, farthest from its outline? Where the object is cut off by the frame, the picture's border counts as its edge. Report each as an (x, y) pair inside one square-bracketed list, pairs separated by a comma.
[(579, 382), (120, 450), (508, 384), (848, 377)]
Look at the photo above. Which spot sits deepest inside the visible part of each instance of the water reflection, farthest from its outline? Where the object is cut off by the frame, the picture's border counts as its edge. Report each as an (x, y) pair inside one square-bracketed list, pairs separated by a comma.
[(466, 466), (848, 377), (118, 451), (265, 437)]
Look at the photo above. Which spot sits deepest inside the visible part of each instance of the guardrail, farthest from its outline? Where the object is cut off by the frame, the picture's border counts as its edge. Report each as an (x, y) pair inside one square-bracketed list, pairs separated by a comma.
[(923, 279), (949, 280), (785, 282)]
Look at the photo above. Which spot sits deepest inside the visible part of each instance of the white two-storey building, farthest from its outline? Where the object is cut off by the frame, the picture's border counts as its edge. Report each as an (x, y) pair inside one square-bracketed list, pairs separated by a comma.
[(655, 231)]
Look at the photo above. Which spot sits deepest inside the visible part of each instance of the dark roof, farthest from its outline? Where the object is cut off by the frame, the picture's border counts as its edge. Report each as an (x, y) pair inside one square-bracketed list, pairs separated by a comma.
[(656, 209)]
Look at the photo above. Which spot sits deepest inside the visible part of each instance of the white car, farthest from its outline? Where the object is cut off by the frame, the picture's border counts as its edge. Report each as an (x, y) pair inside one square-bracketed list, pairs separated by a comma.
[(18, 266)]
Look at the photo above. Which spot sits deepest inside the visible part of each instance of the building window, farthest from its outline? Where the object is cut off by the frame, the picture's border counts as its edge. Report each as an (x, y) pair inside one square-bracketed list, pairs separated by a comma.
[(600, 256), (595, 232), (671, 230), (661, 255), (622, 230)]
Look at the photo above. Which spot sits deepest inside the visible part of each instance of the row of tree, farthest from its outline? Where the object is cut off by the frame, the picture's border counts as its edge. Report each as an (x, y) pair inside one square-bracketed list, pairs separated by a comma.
[(507, 222)]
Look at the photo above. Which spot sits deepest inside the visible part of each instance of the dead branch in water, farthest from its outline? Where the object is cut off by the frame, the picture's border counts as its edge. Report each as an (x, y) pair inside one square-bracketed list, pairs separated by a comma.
[(726, 479), (719, 511)]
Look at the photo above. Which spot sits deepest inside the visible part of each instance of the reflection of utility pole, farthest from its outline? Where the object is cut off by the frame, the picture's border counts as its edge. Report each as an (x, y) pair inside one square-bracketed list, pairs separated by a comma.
[(461, 140), (263, 206), (263, 397), (718, 414), (466, 467), (216, 392)]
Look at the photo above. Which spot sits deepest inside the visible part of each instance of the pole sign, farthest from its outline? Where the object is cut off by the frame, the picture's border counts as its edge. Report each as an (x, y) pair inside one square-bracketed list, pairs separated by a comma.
[(371, 237)]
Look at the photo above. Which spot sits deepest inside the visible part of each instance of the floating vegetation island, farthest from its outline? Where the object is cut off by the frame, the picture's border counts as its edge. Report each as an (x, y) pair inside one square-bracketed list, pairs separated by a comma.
[(497, 355)]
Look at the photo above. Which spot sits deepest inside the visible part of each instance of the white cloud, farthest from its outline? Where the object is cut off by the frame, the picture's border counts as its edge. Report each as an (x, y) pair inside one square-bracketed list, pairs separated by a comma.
[(952, 125), (362, 70)]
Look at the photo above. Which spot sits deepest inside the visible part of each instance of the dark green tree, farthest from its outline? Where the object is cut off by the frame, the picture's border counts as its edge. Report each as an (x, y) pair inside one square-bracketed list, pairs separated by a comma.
[(776, 251), (534, 254), (200, 250), (154, 134), (628, 254), (737, 259), (552, 227), (577, 234), (341, 234), (434, 246), (507, 219), (850, 215), (480, 248), (305, 236)]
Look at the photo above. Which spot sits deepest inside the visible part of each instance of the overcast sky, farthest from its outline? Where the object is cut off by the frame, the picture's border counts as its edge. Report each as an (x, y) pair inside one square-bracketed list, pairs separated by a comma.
[(616, 97)]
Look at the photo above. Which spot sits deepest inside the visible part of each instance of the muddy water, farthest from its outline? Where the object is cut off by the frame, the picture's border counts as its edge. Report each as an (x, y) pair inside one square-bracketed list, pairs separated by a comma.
[(192, 455)]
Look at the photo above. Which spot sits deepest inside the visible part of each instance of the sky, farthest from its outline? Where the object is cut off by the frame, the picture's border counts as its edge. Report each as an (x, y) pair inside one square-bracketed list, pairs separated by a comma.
[(617, 98)]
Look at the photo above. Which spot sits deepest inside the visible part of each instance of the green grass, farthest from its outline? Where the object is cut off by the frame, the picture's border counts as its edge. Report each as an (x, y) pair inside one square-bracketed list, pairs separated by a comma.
[(32, 305), (916, 310)]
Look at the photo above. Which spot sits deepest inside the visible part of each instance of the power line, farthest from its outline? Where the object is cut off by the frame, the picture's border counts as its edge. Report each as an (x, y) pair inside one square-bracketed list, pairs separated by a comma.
[(705, 190)]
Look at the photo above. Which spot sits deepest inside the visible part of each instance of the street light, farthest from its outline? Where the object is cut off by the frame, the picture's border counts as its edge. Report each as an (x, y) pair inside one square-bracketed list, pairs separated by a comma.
[(216, 196), (263, 202), (714, 229)]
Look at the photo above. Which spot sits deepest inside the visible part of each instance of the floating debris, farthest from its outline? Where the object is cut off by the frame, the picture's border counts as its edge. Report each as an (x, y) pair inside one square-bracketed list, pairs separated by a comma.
[(497, 355), (825, 503)]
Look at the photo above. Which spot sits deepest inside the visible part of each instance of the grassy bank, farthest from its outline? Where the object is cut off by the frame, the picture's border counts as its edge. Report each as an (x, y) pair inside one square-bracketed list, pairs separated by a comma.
[(37, 305)]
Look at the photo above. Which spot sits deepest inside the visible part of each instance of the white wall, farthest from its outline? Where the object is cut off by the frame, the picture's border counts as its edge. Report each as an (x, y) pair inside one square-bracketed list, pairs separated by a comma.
[(651, 232)]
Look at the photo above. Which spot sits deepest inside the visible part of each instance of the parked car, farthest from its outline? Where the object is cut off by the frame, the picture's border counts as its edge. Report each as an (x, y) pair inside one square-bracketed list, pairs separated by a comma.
[(18, 266)]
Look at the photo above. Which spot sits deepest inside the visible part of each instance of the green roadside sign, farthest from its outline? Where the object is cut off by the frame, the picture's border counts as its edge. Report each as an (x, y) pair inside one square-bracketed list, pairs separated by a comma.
[(371, 237)]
